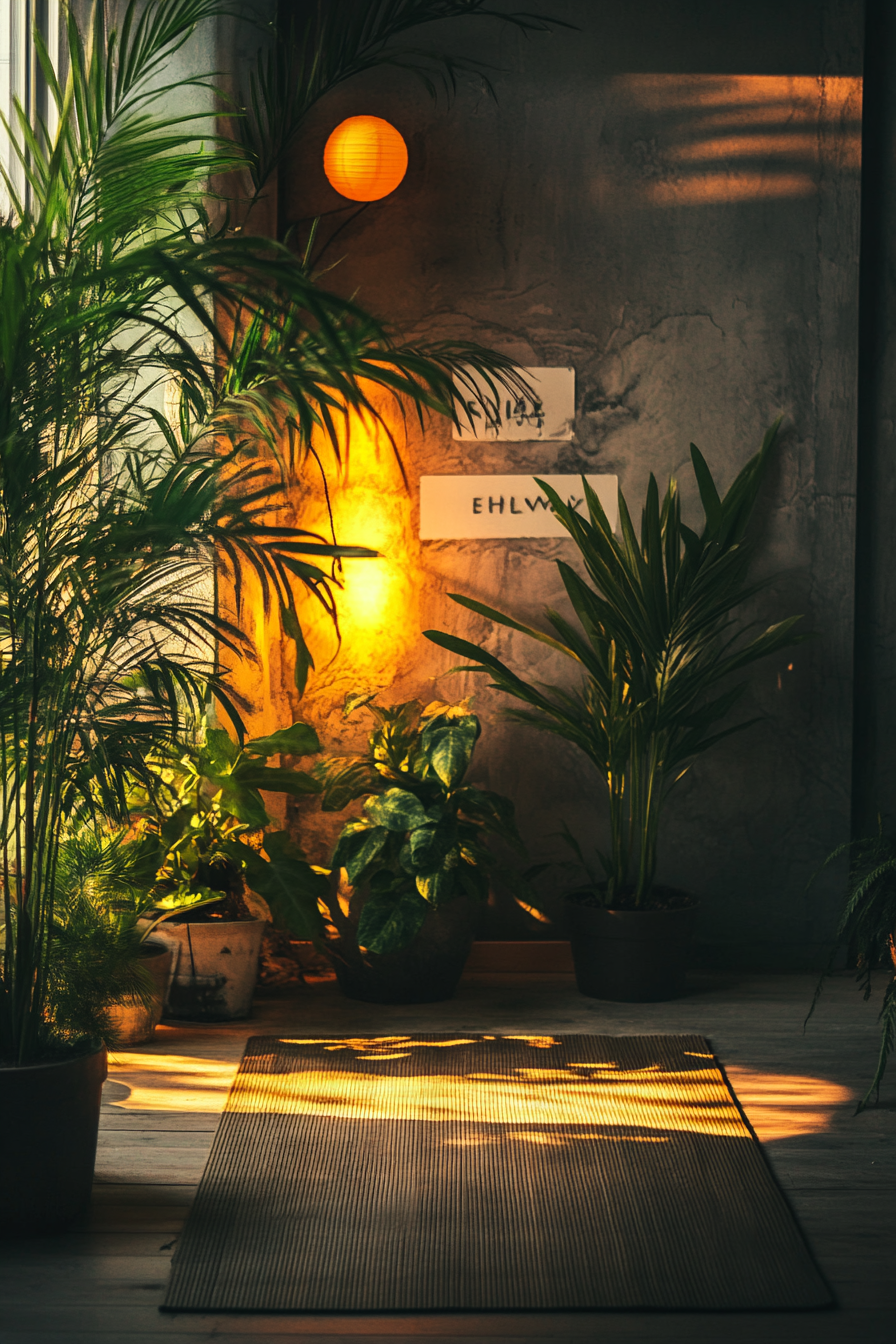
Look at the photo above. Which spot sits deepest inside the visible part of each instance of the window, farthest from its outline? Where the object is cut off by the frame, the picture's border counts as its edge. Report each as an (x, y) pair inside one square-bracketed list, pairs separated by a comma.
[(21, 76)]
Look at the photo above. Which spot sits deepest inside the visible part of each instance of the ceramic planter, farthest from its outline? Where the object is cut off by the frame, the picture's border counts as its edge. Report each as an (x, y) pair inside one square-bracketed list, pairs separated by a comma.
[(425, 972), (49, 1116), (631, 956), (215, 968), (135, 1023)]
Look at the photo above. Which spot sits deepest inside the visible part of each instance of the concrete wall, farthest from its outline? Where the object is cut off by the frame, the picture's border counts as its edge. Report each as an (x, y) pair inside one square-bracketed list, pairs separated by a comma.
[(874, 753), (668, 199)]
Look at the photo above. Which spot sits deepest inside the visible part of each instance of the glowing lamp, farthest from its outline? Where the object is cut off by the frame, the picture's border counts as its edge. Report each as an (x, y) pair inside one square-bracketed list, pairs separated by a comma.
[(365, 158)]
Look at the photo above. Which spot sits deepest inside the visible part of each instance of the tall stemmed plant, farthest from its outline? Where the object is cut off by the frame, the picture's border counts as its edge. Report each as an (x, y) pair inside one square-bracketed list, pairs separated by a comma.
[(112, 519), (658, 642)]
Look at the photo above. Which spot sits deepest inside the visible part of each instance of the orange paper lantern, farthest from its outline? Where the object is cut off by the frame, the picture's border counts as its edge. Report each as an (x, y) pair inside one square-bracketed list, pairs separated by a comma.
[(365, 158)]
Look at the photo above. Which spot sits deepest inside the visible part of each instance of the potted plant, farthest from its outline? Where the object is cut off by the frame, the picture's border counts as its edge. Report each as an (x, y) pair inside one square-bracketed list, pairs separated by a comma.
[(867, 932), (118, 298), (108, 976), (105, 528), (207, 813), (657, 642), (411, 873)]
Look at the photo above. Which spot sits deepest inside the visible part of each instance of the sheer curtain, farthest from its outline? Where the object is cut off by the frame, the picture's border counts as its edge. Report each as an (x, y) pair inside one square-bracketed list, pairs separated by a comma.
[(21, 77)]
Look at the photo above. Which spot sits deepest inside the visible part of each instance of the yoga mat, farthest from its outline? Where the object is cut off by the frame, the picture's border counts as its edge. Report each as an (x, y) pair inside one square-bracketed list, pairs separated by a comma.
[(481, 1173)]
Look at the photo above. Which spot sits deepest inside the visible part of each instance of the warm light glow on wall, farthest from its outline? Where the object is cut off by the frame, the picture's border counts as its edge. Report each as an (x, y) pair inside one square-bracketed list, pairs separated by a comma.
[(378, 600), (365, 158), (378, 603)]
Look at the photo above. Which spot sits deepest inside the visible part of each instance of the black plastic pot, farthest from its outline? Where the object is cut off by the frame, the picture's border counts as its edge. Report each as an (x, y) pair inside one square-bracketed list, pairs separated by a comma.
[(631, 956), (49, 1117), (425, 972)]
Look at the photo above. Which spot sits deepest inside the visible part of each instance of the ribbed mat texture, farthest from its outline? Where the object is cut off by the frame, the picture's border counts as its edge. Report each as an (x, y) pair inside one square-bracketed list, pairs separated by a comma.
[(476, 1173)]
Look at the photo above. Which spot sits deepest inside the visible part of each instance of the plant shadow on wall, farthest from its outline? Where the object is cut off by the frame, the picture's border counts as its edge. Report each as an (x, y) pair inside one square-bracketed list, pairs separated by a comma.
[(658, 643), (704, 140), (118, 296)]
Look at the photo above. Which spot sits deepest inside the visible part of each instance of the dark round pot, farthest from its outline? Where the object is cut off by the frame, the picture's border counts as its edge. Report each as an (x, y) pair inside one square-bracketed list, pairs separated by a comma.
[(631, 956), (49, 1117), (424, 972)]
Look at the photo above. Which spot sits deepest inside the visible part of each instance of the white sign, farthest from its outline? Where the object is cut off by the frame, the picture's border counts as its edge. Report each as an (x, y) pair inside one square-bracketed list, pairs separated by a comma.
[(548, 414), (504, 506)]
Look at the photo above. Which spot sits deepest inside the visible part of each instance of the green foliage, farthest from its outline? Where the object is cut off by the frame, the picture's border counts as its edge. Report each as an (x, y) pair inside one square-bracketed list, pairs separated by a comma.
[(421, 840), (119, 298), (867, 930), (657, 643), (206, 809), (102, 891)]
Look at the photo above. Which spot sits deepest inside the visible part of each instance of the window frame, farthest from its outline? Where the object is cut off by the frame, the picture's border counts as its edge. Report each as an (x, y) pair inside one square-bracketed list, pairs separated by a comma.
[(21, 77)]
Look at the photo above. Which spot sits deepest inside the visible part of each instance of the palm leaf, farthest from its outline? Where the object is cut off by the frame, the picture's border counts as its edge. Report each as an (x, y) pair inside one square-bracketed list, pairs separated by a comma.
[(659, 643)]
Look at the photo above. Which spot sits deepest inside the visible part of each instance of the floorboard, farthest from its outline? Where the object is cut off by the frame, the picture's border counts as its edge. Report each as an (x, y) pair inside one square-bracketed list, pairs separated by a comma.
[(102, 1283)]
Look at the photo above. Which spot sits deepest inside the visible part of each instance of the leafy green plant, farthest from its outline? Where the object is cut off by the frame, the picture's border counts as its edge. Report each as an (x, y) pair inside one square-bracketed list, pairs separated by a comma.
[(421, 839), (657, 642), (867, 931), (115, 517), (209, 817), (194, 841), (103, 913)]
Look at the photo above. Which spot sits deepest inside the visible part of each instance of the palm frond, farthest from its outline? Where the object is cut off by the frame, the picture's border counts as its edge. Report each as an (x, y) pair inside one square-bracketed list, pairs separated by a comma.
[(325, 45), (659, 643)]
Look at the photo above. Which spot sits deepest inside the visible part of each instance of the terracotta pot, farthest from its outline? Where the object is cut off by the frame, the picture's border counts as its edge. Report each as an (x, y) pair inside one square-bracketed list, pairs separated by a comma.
[(135, 1023), (425, 972), (215, 968), (49, 1116), (631, 956)]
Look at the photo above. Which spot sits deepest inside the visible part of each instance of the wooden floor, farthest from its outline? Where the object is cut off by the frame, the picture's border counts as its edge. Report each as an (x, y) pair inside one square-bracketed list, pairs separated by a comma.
[(104, 1283)]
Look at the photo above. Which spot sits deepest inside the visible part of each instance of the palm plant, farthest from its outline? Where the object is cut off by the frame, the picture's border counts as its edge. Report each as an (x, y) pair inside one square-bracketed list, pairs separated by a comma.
[(116, 518), (658, 643), (867, 932)]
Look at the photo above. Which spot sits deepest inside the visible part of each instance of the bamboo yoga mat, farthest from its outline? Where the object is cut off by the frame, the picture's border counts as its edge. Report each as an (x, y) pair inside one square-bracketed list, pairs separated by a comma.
[(480, 1173)]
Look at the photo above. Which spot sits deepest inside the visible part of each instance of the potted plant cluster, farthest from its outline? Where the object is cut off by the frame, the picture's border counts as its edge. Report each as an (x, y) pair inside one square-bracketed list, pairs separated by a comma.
[(659, 647), (209, 819), (114, 289), (411, 873)]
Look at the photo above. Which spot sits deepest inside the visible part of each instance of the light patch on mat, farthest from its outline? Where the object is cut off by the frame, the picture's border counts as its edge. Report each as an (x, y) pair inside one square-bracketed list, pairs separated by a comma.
[(329, 1187), (778, 1105), (372, 1046), (698, 1103)]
